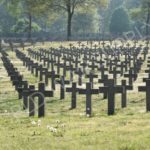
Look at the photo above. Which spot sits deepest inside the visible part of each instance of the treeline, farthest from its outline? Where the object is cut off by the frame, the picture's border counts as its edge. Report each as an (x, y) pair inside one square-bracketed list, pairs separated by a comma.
[(67, 19)]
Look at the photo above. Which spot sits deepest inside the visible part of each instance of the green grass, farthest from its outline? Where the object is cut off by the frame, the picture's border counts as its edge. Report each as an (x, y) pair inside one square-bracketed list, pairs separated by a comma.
[(128, 129)]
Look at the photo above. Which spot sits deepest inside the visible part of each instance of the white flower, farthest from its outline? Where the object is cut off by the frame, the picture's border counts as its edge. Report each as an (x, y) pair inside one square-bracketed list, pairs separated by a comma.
[(39, 122), (51, 129), (62, 125), (6, 111), (48, 126), (54, 130), (33, 123), (88, 115)]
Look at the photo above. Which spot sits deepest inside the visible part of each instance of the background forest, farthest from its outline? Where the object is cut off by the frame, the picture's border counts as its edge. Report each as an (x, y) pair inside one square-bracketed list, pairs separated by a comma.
[(74, 19)]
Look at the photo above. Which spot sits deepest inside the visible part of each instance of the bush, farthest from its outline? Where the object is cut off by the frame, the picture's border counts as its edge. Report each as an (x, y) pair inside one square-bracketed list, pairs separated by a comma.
[(119, 22), (22, 26)]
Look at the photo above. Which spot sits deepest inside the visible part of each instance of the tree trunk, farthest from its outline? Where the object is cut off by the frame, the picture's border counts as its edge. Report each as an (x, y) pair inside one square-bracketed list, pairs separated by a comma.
[(30, 27), (69, 26)]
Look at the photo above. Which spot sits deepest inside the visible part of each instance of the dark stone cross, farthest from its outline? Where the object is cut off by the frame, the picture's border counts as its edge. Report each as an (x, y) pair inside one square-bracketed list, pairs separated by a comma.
[(131, 76), (135, 42), (102, 69), (105, 81), (128, 45), (148, 70), (91, 44), (74, 90), (103, 44), (62, 83), (76, 61), (80, 74), (115, 72), (42, 72), (58, 64), (22, 44), (91, 77), (52, 61), (37, 69), (95, 46), (17, 81), (124, 93), (82, 46), (147, 90), (33, 67), (20, 90), (29, 63), (122, 66), (84, 64), (41, 93), (109, 64), (72, 69), (11, 45), (70, 45), (53, 76), (111, 89), (93, 66), (79, 43), (147, 43), (88, 92)]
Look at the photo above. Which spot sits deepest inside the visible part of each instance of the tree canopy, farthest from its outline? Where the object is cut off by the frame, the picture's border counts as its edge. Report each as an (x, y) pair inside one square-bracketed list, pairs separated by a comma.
[(119, 22), (74, 17)]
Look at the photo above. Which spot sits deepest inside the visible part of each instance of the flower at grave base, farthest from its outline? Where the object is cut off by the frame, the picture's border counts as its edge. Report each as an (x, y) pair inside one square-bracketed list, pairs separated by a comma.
[(48, 126), (51, 129), (88, 115), (6, 111), (54, 130), (33, 123), (39, 122)]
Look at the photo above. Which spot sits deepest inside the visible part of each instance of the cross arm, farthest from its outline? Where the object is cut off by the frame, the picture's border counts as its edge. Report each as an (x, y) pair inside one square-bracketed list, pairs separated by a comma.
[(103, 89), (142, 88)]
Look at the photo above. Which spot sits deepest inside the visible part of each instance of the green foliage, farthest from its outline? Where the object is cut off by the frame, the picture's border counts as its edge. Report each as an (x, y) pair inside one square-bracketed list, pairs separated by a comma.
[(119, 22), (22, 26), (132, 4), (136, 14), (83, 23), (6, 20)]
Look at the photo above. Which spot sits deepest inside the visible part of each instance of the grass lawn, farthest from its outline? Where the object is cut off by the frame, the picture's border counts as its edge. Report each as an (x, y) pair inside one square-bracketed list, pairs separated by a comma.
[(64, 129)]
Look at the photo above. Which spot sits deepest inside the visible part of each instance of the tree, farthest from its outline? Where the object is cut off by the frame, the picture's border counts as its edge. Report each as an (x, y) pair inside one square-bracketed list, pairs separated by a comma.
[(70, 6), (83, 23), (146, 10), (6, 21), (27, 8), (105, 14), (141, 14), (22, 26), (119, 22)]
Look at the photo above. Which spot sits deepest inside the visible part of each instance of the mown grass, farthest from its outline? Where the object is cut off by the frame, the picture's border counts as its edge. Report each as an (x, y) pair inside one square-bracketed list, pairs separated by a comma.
[(128, 129)]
